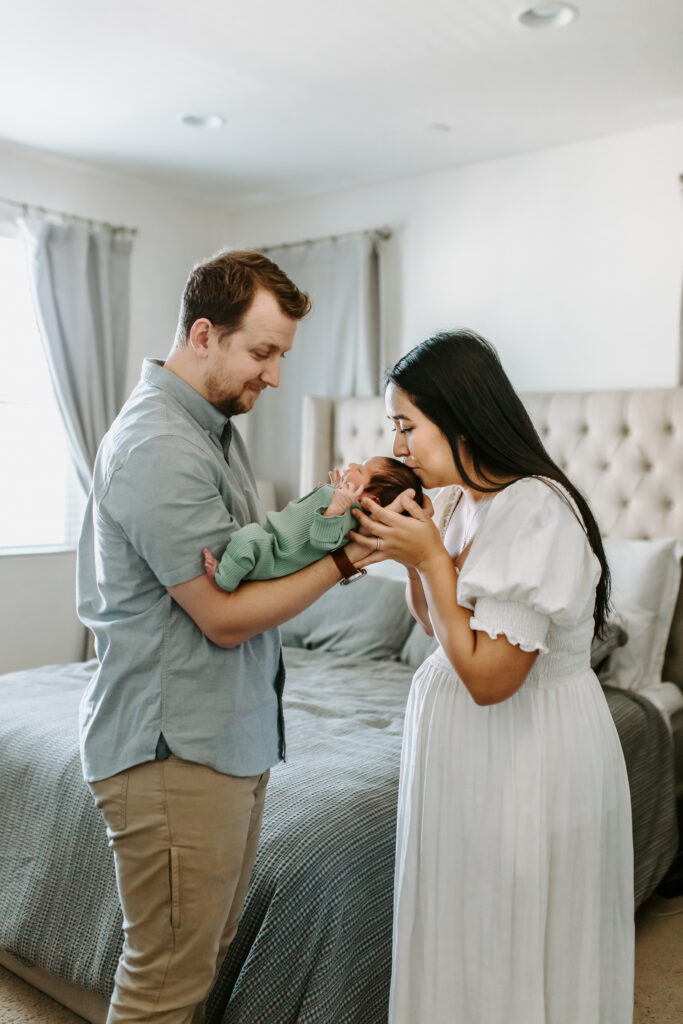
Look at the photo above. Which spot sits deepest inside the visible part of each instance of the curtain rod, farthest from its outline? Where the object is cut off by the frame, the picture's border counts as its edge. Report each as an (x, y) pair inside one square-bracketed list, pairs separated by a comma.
[(382, 233), (46, 211)]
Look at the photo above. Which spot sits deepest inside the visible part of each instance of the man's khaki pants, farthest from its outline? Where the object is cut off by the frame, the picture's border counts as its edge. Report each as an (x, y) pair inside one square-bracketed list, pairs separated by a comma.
[(184, 839)]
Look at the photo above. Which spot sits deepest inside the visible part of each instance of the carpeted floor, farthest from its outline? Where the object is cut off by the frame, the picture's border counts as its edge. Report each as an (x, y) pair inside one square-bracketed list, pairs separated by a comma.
[(659, 962), (659, 975), (22, 1004)]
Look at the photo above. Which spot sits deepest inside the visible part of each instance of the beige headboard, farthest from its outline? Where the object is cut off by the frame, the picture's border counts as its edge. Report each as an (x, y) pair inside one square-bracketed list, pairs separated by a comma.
[(623, 449)]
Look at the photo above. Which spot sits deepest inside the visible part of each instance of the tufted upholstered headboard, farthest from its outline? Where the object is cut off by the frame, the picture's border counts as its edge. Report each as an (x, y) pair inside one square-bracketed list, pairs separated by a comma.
[(623, 449)]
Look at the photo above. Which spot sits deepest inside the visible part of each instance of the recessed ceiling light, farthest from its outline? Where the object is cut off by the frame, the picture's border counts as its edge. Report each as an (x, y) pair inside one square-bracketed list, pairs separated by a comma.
[(548, 15), (203, 120)]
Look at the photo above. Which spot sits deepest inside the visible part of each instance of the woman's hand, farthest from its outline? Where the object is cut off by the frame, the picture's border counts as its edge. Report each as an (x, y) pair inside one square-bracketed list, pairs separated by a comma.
[(412, 540), (363, 550)]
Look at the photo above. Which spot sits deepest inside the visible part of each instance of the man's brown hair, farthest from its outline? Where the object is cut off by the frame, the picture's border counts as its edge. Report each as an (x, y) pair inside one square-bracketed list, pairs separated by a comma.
[(223, 288)]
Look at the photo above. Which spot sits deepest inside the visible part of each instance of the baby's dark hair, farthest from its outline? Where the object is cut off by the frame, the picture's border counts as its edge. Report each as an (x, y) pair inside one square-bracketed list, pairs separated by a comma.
[(394, 478)]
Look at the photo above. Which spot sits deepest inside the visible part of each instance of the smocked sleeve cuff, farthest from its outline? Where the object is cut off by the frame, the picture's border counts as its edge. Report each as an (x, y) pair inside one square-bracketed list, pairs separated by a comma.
[(523, 627)]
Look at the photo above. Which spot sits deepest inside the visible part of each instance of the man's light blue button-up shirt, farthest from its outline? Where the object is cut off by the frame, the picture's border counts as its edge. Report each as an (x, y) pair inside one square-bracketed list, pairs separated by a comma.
[(163, 489)]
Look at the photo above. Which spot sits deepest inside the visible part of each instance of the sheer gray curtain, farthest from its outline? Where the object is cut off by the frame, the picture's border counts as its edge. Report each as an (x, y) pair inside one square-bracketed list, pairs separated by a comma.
[(680, 320), (80, 279), (338, 348)]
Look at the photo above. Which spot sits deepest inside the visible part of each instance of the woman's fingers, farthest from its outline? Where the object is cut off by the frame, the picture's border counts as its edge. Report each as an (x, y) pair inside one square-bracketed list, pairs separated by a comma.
[(396, 505), (427, 506), (367, 541), (367, 523), (388, 515), (415, 510)]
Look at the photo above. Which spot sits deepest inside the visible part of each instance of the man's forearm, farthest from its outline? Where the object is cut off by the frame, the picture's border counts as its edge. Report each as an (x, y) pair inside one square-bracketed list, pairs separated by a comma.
[(264, 604), (228, 619)]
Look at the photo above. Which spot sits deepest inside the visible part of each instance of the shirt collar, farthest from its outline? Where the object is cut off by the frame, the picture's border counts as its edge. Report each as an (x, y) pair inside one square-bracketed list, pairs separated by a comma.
[(155, 373)]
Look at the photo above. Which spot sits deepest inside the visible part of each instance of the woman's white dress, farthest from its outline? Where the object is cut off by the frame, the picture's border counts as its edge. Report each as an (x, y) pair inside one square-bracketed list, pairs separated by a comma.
[(513, 899)]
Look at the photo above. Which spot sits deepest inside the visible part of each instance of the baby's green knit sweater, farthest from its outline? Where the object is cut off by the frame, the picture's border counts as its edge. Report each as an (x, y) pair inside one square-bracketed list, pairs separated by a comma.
[(289, 540)]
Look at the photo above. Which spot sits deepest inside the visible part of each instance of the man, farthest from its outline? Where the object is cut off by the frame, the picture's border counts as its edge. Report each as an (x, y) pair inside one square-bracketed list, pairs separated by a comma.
[(183, 718)]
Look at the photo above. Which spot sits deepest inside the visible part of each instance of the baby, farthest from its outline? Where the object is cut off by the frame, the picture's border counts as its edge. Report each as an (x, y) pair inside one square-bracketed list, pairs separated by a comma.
[(308, 528)]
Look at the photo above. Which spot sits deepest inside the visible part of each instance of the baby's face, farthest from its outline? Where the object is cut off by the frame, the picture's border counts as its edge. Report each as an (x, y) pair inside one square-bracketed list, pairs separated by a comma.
[(360, 474)]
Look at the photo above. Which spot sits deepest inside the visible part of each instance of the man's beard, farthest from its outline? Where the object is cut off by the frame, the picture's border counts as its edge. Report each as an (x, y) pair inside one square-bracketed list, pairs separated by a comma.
[(230, 405)]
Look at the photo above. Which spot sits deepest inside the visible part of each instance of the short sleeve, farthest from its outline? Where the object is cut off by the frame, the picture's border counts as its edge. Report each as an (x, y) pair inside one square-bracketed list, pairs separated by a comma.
[(530, 565), (165, 499), (443, 503)]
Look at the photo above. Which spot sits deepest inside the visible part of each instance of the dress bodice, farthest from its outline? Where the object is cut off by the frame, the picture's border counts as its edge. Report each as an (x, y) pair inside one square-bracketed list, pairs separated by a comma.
[(530, 573)]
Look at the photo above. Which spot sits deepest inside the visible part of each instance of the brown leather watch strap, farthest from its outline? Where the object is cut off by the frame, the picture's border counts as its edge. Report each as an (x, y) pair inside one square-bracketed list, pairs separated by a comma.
[(346, 567)]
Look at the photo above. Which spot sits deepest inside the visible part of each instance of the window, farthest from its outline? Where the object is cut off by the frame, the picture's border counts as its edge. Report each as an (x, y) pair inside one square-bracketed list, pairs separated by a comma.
[(42, 502)]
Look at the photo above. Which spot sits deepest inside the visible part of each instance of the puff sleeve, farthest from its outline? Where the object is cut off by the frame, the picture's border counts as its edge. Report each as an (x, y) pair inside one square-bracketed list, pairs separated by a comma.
[(530, 565)]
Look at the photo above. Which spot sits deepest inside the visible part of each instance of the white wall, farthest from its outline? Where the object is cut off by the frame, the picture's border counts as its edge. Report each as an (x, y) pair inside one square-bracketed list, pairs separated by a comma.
[(38, 621), (568, 259)]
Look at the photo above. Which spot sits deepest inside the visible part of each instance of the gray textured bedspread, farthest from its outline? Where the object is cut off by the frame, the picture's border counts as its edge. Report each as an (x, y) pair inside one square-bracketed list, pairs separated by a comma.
[(314, 944)]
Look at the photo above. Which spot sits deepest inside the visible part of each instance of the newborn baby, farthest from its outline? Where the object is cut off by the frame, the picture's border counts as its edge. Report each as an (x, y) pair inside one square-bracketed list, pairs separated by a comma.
[(310, 527)]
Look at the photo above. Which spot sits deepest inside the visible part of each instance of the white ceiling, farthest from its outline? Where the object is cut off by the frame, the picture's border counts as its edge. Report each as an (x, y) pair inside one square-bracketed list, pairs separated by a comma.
[(324, 94)]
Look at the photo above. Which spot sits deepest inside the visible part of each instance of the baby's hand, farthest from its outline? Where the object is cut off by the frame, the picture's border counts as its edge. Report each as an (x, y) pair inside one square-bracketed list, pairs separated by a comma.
[(343, 498), (336, 477), (210, 565)]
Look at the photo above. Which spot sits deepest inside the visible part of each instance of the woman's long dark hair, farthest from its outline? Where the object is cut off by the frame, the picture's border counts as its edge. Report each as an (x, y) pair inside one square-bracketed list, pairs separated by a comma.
[(457, 380)]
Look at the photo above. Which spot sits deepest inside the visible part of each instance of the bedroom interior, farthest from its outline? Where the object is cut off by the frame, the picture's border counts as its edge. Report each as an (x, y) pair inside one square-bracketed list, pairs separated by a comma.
[(560, 241)]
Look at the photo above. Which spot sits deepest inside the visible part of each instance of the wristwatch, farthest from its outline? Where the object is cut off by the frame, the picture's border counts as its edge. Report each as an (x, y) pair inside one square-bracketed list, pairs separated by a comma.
[(346, 567)]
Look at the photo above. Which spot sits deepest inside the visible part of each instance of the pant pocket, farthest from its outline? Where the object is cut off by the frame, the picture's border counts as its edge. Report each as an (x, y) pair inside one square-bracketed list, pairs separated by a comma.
[(174, 883), (111, 800)]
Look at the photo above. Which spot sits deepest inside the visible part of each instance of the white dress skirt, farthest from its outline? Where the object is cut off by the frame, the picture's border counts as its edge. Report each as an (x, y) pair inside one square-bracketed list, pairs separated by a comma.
[(513, 900)]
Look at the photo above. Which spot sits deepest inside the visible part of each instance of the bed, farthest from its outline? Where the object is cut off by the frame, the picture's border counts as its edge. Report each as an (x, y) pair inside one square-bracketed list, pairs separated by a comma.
[(314, 943)]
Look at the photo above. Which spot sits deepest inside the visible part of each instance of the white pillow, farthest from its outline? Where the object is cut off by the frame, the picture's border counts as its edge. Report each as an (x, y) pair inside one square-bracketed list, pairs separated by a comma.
[(646, 575)]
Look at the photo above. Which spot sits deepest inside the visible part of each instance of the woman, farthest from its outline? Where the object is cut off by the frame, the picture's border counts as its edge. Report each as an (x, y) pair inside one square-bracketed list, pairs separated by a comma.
[(514, 873)]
